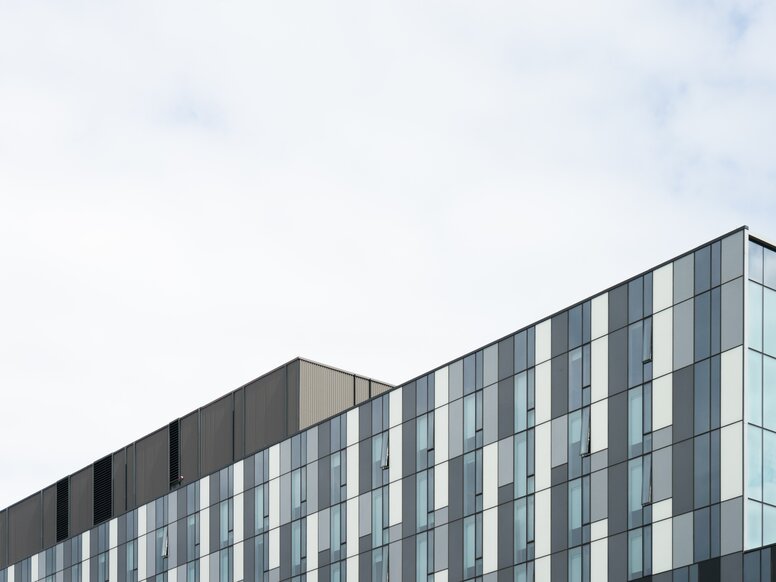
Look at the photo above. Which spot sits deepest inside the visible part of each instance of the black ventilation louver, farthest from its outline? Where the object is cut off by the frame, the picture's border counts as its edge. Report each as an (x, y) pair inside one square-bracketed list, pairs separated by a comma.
[(175, 475), (63, 506), (103, 489)]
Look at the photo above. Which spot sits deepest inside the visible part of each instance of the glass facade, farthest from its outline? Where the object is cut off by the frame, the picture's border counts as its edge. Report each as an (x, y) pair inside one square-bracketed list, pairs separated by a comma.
[(630, 437)]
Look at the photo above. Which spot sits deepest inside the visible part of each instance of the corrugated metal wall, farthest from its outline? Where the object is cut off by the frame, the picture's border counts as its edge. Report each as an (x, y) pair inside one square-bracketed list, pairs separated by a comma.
[(151, 466), (24, 521), (216, 435), (81, 506), (323, 392), (50, 516)]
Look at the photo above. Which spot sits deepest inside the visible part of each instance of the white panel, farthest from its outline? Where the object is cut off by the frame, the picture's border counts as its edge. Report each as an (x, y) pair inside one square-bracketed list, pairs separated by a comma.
[(441, 434), (732, 373), (312, 542), (274, 461), (113, 564), (441, 387), (312, 576), (204, 569), (113, 533), (731, 461), (599, 316), (662, 402), (662, 343), (543, 570), (394, 503), (490, 540), (543, 519), (352, 537), (663, 288), (599, 369), (543, 456), (440, 576), (34, 563), (9, 572), (353, 426), (274, 548), (239, 518), (599, 560), (395, 407), (204, 494), (543, 387), (599, 426), (662, 510), (239, 562), (440, 486), (274, 503), (85, 545), (662, 544), (172, 574), (204, 532), (239, 478), (352, 570), (141, 520), (395, 461), (543, 341), (141, 556), (599, 529), (353, 470), (490, 476)]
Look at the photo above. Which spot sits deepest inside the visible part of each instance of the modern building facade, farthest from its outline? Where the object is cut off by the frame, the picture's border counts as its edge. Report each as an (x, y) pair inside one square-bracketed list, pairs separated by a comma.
[(629, 437)]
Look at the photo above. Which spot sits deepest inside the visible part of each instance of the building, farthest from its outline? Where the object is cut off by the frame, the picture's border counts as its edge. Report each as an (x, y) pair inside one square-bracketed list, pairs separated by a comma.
[(628, 437)]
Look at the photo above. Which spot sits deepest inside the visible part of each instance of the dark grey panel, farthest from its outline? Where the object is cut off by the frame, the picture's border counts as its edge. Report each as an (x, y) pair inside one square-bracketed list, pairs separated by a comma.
[(24, 523), (324, 482), (618, 557), (560, 334), (560, 383), (506, 408), (3, 539), (683, 402), (733, 256), (365, 420), (189, 448), (618, 307), (365, 466), (506, 358), (81, 502), (684, 279), (455, 551), (119, 482), (618, 428), (152, 466), (408, 401), (408, 558), (618, 498), (216, 435), (455, 489), (408, 502), (285, 551), (239, 424), (732, 323), (731, 567), (506, 534), (50, 516), (131, 498), (559, 516), (559, 567), (682, 477), (409, 437), (265, 411), (618, 361), (292, 384)]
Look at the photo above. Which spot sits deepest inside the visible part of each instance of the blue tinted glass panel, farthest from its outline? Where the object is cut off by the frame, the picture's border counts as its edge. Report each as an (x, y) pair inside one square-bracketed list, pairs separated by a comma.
[(769, 322), (755, 262), (754, 462), (769, 392)]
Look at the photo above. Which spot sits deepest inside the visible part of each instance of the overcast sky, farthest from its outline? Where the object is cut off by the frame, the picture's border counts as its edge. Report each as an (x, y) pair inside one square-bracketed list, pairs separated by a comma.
[(193, 193)]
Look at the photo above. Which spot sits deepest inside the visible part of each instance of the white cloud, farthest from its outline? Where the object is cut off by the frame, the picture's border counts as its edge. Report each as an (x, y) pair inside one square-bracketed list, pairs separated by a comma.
[(192, 193)]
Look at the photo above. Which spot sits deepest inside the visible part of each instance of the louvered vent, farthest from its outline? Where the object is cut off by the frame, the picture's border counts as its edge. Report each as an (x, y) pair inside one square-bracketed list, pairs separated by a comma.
[(63, 499), (103, 489), (175, 475)]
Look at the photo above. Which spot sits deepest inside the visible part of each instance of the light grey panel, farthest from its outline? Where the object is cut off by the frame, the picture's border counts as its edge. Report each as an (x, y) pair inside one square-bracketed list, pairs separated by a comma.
[(490, 418), (285, 457), (189, 448), (683, 334), (455, 380), (285, 498), (324, 530), (312, 444), (684, 278), (598, 495), (152, 466), (216, 435), (365, 514), (24, 524), (682, 540), (362, 389), (312, 487), (661, 474), (732, 332), (323, 392), (559, 441), (731, 526), (50, 516), (81, 501), (505, 462), (440, 548), (732, 256)]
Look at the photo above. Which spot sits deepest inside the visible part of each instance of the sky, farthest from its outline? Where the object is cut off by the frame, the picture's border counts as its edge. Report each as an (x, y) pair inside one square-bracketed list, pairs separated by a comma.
[(193, 193)]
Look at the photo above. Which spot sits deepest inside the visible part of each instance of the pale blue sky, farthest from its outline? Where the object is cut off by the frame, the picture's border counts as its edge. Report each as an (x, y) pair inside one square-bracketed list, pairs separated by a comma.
[(192, 193)]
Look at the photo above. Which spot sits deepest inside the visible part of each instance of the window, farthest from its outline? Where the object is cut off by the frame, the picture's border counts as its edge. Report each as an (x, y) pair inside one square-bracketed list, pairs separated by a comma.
[(472, 546), (472, 419), (575, 379), (298, 546), (425, 441), (261, 558), (226, 520), (635, 418), (299, 493), (472, 482), (192, 537), (379, 517)]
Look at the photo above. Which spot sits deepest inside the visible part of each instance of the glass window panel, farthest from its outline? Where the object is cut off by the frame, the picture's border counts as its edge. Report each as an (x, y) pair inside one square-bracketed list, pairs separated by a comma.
[(769, 467), (422, 442), (520, 465), (575, 379), (574, 456), (635, 477), (520, 352), (702, 396), (521, 401), (753, 524), (635, 416), (635, 354), (575, 327), (635, 300), (469, 421), (585, 432), (701, 472), (635, 564), (421, 557), (575, 512), (521, 534), (703, 326), (646, 481), (754, 462), (769, 322), (769, 268), (769, 525), (755, 261), (755, 316), (469, 545), (702, 269), (469, 483), (575, 565), (754, 388), (769, 393), (422, 500)]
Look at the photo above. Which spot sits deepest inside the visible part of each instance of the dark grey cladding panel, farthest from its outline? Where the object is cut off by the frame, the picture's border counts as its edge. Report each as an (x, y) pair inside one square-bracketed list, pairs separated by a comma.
[(292, 387), (560, 334), (24, 520), (216, 435), (119, 482), (506, 357), (618, 361), (506, 534), (506, 408), (81, 501), (3, 538), (618, 499), (618, 428), (131, 477), (559, 517), (50, 516), (560, 385), (618, 307), (683, 403), (265, 411), (189, 448), (152, 467), (239, 424)]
